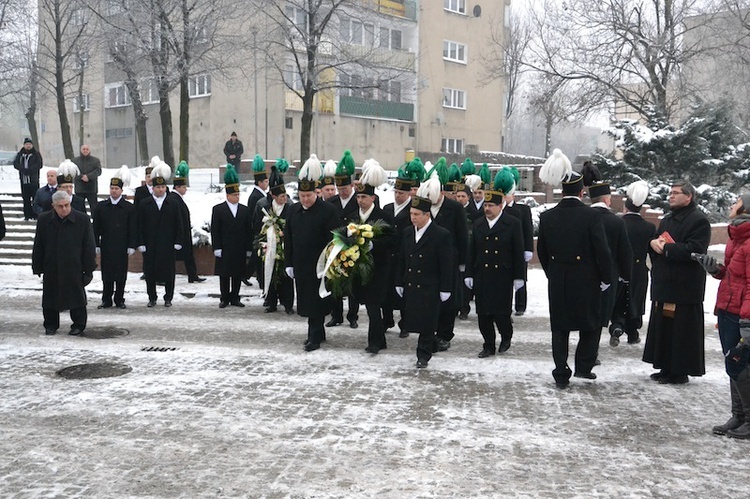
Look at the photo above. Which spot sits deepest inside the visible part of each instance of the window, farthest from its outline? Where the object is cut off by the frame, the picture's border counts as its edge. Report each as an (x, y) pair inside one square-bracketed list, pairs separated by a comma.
[(458, 6), (389, 90), (390, 39), (292, 78), (200, 35), (81, 60), (454, 51), (199, 86), (149, 91), (454, 98), (80, 16), (452, 146), (80, 102), (357, 32), (298, 17), (288, 123), (116, 95)]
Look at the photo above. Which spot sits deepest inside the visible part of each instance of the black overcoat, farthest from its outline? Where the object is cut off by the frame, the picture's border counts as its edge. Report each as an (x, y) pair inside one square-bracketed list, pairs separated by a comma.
[(495, 260), (43, 199), (64, 252), (307, 233), (523, 213), (452, 217), (159, 230), (186, 253), (425, 268), (622, 259), (28, 164), (235, 148), (402, 221), (640, 233), (573, 251), (114, 233), (376, 290), (343, 213), (92, 168), (233, 236)]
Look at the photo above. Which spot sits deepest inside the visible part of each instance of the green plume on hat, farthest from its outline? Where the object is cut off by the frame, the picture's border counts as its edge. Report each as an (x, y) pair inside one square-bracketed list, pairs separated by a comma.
[(484, 173), (415, 170), (454, 173), (504, 181), (516, 174), (182, 170), (258, 164), (230, 175), (282, 165), (402, 173), (468, 167), (346, 166), (441, 170)]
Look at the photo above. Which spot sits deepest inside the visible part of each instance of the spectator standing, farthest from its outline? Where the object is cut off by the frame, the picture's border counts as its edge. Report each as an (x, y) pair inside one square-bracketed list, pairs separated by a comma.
[(233, 150), (28, 162), (87, 182), (43, 197)]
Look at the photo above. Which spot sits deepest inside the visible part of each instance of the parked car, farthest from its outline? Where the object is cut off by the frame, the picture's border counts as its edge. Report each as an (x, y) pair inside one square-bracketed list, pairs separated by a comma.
[(7, 157)]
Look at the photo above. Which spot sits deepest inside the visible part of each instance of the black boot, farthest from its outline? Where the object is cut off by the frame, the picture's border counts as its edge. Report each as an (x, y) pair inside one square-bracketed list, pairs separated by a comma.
[(742, 385), (738, 415)]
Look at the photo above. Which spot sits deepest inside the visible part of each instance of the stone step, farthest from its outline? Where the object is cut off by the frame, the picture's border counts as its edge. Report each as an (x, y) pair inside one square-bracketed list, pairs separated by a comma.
[(6, 245), (14, 261), (19, 236)]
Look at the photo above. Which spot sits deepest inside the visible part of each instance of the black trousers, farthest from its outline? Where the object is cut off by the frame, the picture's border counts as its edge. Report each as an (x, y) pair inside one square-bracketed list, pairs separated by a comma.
[(282, 292), (168, 289), (376, 327), (316, 332), (113, 287), (585, 356), (229, 287), (426, 345), (79, 317), (447, 320), (28, 191), (338, 310), (190, 267), (487, 325), (91, 199), (521, 293)]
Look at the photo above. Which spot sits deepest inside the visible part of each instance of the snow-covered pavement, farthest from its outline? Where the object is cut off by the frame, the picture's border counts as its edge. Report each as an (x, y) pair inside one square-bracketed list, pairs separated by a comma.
[(237, 409)]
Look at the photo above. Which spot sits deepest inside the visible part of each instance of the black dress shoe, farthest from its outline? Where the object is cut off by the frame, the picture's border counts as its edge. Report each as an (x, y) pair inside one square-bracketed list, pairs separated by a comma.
[(270, 310), (289, 310), (403, 334), (562, 384), (597, 362), (388, 325), (121, 305), (223, 304), (143, 277), (75, 332), (504, 346), (372, 350), (309, 347), (519, 313), (332, 323), (486, 353), (353, 324), (463, 316), (585, 375), (443, 345), (167, 303), (237, 303), (632, 340), (247, 282), (658, 376), (421, 364), (151, 303), (50, 332), (104, 305), (675, 379), (197, 279)]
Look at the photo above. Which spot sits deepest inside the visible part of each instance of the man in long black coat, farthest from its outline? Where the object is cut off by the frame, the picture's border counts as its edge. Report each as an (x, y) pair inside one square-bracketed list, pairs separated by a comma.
[(160, 236), (28, 162), (373, 294), (523, 213), (399, 210), (65, 253), (308, 231), (494, 269), (65, 183), (675, 338), (87, 182), (257, 193), (424, 277), (116, 238), (345, 205), (186, 253), (232, 242), (573, 251)]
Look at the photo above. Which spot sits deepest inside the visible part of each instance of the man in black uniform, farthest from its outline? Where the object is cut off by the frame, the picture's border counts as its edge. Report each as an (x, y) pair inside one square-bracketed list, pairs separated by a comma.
[(231, 237), (345, 204), (186, 253), (233, 150), (523, 213), (257, 193), (160, 234), (308, 231), (495, 266), (115, 236), (28, 162), (631, 297), (424, 277), (575, 257), (64, 252)]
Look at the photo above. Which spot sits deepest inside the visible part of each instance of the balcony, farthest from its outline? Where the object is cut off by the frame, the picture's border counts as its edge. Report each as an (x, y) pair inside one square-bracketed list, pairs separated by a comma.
[(322, 103), (399, 59), (403, 8), (371, 108)]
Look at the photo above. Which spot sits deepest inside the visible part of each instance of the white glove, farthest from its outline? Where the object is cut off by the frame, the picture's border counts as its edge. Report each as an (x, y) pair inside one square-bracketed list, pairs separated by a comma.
[(178, 247), (603, 286), (527, 256), (620, 279), (98, 250), (461, 268), (469, 281), (131, 251), (142, 249), (290, 272), (217, 253), (400, 291), (444, 295), (518, 284)]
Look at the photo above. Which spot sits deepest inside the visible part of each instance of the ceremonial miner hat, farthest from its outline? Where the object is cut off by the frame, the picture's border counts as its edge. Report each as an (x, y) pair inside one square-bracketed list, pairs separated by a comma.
[(67, 172), (485, 175), (231, 179), (259, 169), (276, 179), (439, 171), (637, 193), (181, 174), (503, 185), (329, 173), (310, 173), (599, 189), (373, 175), (454, 179), (160, 174), (121, 179), (345, 169)]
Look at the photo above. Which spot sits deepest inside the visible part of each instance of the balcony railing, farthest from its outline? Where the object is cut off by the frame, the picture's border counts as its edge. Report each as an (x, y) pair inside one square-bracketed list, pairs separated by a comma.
[(404, 8), (372, 108)]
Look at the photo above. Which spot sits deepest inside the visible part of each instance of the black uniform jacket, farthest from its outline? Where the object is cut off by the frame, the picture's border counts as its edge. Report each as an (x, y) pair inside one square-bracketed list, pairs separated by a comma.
[(640, 233), (115, 232), (376, 290), (622, 259), (159, 230), (233, 236)]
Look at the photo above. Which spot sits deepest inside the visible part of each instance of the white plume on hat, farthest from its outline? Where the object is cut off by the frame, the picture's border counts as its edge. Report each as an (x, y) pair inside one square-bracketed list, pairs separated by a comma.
[(430, 189), (154, 161), (311, 170), (161, 170), (373, 174), (473, 182), (329, 170), (638, 192), (123, 174), (555, 169), (67, 167)]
